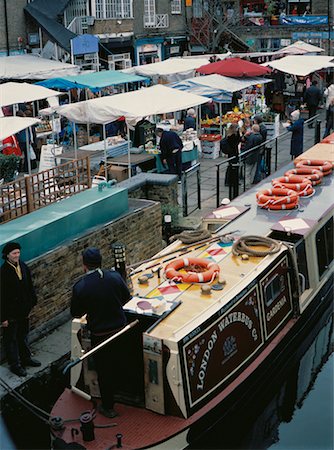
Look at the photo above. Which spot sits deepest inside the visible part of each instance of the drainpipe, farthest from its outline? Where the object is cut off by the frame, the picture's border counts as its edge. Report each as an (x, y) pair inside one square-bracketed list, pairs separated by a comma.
[(6, 26)]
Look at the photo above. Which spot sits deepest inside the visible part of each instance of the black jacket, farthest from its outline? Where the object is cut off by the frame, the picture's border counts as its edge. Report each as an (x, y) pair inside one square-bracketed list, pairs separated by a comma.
[(312, 96), (17, 296), (101, 298), (169, 141)]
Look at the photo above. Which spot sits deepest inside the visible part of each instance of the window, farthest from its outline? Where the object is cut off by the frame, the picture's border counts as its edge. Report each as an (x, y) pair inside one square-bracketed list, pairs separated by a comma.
[(273, 289), (114, 9), (197, 9), (149, 12), (324, 243), (175, 6), (302, 266)]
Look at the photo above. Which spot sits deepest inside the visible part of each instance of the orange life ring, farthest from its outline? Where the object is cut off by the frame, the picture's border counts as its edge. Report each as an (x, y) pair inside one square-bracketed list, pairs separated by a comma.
[(324, 166), (277, 198), (314, 175), (171, 270), (298, 183)]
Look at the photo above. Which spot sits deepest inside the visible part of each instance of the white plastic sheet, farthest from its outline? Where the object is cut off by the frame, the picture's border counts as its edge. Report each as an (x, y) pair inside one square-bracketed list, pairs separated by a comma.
[(12, 125), (12, 93)]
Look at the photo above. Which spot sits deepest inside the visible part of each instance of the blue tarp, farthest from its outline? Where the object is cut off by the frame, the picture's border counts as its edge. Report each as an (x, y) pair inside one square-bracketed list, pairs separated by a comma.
[(94, 81), (304, 20)]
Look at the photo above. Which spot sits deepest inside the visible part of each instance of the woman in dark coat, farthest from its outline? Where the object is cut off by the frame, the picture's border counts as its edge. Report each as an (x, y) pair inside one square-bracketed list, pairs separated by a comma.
[(297, 138), (232, 141)]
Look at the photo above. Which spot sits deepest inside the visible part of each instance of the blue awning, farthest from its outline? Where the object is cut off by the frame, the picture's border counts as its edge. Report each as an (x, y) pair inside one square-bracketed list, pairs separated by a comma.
[(94, 81)]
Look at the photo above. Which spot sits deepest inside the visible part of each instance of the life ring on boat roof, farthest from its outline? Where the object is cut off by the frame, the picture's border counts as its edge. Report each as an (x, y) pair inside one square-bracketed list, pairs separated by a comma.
[(277, 198), (208, 275), (314, 175), (324, 166), (297, 183)]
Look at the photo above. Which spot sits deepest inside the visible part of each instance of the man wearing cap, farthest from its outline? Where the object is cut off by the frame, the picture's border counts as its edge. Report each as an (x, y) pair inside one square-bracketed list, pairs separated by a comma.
[(17, 299), (171, 151), (101, 295)]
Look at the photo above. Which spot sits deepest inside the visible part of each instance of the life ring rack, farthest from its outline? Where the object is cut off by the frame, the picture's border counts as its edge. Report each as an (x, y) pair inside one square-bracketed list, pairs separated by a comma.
[(171, 270), (314, 175), (277, 198), (297, 183), (323, 166)]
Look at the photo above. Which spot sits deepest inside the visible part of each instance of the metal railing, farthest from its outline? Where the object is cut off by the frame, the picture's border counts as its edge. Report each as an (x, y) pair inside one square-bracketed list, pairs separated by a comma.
[(192, 171), (271, 154), (40, 189)]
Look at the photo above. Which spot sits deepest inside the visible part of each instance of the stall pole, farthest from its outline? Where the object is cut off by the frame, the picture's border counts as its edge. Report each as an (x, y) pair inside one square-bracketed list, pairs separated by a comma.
[(220, 120), (199, 119), (69, 96), (72, 55), (40, 39), (75, 141), (53, 134), (129, 157), (88, 127), (28, 150), (105, 151)]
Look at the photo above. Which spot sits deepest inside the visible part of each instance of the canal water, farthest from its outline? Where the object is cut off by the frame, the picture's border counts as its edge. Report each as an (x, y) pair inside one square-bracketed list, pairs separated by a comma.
[(294, 413)]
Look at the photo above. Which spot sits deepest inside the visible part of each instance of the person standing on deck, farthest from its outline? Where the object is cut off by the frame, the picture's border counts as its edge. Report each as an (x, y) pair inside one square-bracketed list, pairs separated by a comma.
[(297, 138), (171, 151), (18, 297), (101, 295)]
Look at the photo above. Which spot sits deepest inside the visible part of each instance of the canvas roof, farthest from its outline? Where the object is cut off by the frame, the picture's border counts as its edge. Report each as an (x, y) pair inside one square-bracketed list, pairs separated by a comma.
[(301, 65), (12, 125), (234, 67), (93, 81), (300, 48), (25, 67), (12, 93), (133, 105)]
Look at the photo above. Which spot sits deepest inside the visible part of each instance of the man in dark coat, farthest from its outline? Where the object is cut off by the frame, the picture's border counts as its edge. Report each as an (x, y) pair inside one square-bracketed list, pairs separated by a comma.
[(17, 299), (312, 98), (190, 121), (263, 129), (101, 295), (254, 158), (171, 151), (297, 138)]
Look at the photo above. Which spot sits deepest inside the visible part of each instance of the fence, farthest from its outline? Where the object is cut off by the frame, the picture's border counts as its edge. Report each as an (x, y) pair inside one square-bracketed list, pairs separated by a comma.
[(35, 191), (187, 174), (274, 152)]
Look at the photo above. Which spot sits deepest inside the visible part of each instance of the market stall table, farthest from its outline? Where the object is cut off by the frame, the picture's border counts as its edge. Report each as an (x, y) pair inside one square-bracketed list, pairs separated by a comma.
[(189, 157)]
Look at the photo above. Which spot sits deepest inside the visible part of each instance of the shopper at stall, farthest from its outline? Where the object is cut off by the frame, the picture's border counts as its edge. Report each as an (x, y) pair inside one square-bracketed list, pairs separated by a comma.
[(329, 118), (297, 138), (230, 147), (253, 159), (171, 151), (263, 129), (329, 94), (190, 120), (312, 99)]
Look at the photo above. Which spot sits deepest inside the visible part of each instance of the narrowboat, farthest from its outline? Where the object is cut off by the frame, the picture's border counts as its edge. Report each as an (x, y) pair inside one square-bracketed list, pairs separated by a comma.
[(211, 320)]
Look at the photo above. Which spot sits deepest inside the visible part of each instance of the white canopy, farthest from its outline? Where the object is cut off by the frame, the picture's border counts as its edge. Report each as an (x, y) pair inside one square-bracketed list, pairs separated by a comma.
[(173, 69), (299, 48), (133, 105), (301, 65), (23, 67), (221, 83), (12, 93), (12, 125)]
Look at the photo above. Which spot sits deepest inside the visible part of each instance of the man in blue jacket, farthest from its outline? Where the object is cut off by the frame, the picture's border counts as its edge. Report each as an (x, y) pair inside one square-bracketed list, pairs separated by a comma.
[(101, 295), (171, 151)]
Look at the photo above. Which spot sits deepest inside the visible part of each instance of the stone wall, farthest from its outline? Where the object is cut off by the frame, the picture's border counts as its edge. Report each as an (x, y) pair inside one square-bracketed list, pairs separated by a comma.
[(55, 272), (16, 24)]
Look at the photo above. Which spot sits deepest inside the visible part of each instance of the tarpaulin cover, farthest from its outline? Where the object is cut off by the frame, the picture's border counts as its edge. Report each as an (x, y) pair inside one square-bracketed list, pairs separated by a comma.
[(30, 67), (218, 87), (93, 81), (234, 67), (301, 65), (299, 48), (12, 93), (12, 125), (132, 105)]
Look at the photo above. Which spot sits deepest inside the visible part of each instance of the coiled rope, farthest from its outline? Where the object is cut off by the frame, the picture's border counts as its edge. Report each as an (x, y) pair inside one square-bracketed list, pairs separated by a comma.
[(243, 246), (191, 236)]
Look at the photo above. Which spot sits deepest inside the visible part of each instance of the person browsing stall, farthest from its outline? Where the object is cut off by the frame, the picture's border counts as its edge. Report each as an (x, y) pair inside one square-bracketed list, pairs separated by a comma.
[(171, 151), (101, 295), (18, 297), (190, 121)]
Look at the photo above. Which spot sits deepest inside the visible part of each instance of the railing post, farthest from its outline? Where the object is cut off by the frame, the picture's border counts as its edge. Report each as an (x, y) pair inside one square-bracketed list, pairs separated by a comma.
[(234, 181), (198, 175), (276, 153), (29, 196), (217, 185), (268, 159), (317, 131), (184, 195)]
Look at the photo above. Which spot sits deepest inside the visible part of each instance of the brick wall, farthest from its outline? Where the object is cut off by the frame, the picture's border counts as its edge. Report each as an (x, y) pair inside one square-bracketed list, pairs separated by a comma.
[(55, 272)]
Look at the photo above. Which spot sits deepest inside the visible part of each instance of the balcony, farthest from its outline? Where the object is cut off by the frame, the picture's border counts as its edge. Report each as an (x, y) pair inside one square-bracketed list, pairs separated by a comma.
[(156, 21)]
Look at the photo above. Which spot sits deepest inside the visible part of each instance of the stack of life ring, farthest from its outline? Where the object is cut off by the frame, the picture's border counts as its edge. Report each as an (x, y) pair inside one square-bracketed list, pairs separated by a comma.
[(297, 183), (206, 276), (277, 198), (323, 166)]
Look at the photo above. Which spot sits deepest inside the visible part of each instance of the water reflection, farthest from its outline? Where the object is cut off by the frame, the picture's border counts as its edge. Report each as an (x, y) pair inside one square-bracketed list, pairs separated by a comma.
[(295, 411)]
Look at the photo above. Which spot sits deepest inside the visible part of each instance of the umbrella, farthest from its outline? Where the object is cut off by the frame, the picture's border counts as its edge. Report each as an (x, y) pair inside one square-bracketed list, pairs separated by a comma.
[(234, 67)]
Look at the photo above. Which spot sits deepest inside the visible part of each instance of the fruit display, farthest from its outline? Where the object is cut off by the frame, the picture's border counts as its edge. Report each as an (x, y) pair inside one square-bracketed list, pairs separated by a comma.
[(230, 117)]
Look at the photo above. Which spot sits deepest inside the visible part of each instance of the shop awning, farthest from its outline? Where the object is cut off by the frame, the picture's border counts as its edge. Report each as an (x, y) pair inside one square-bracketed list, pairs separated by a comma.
[(12, 125), (13, 93), (234, 67), (299, 48), (30, 67), (132, 105), (93, 81), (301, 65)]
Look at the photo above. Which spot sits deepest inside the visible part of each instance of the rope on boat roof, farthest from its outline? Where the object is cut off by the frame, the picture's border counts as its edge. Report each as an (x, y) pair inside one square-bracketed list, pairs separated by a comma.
[(243, 246)]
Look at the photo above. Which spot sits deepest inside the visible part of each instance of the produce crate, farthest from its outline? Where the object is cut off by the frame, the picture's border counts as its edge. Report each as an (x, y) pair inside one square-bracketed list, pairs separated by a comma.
[(210, 149)]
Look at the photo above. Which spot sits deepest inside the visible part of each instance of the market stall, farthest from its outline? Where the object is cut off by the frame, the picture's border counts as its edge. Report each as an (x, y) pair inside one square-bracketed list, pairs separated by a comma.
[(134, 106), (301, 65), (234, 67)]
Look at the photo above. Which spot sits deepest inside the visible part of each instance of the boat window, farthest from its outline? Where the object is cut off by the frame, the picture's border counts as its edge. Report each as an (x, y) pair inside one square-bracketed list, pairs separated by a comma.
[(302, 264), (324, 243), (272, 290)]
